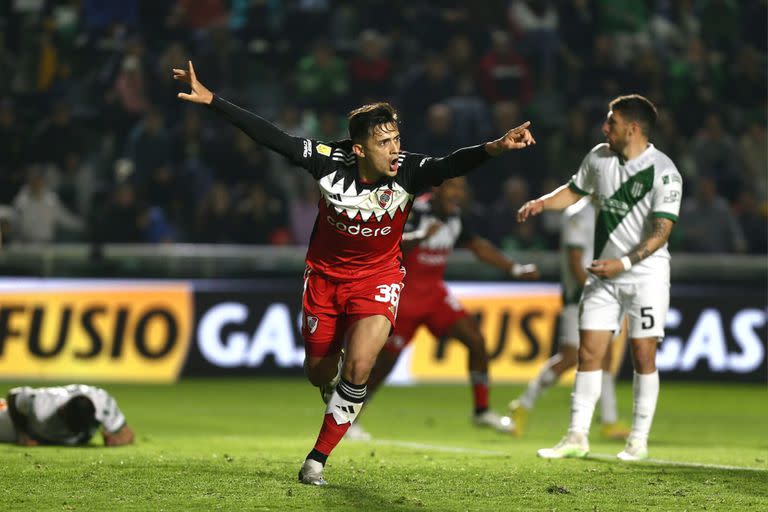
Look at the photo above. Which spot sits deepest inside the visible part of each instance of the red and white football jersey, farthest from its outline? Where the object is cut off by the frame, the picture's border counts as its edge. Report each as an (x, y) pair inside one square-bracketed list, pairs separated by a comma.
[(426, 262), (359, 225)]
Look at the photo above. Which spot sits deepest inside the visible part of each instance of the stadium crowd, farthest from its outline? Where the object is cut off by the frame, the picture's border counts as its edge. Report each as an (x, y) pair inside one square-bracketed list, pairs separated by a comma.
[(95, 146)]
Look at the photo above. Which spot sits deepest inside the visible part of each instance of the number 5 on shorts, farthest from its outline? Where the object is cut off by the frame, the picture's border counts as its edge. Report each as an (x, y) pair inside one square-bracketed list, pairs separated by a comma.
[(646, 314)]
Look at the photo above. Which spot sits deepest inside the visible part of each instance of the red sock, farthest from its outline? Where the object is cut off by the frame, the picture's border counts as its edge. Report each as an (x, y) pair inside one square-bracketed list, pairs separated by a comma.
[(330, 434), (480, 391)]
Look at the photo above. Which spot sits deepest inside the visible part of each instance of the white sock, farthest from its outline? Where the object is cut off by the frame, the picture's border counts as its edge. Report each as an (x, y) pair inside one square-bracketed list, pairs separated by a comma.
[(543, 381), (586, 391), (346, 402), (608, 412), (646, 392)]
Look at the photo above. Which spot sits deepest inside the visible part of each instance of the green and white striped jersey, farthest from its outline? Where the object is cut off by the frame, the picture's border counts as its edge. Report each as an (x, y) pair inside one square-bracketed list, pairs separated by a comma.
[(578, 228), (628, 196)]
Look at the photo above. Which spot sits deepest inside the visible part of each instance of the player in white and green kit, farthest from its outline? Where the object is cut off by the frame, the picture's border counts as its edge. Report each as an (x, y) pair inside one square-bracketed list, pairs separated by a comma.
[(65, 415), (576, 242), (637, 190)]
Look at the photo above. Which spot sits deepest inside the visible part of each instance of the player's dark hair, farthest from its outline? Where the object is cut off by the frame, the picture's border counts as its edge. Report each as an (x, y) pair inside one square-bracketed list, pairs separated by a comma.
[(636, 108), (79, 414), (363, 120)]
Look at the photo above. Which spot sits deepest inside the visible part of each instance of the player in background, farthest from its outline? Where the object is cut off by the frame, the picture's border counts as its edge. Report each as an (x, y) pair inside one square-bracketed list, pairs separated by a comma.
[(434, 228), (576, 240), (353, 277), (66, 415), (637, 190)]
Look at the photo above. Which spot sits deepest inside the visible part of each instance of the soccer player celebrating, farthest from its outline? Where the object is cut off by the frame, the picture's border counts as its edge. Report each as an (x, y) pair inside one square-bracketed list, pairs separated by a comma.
[(68, 415), (576, 240), (434, 228), (638, 191), (353, 277)]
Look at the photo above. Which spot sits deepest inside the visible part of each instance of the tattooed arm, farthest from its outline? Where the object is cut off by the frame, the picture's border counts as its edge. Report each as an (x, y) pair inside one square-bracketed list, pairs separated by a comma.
[(659, 235), (662, 227)]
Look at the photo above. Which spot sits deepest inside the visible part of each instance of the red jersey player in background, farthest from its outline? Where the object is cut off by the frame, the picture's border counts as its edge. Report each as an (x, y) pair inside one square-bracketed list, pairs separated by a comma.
[(434, 228), (353, 276)]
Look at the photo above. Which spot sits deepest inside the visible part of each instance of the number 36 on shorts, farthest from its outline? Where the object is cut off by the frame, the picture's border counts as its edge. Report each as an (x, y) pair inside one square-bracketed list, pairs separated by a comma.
[(389, 293)]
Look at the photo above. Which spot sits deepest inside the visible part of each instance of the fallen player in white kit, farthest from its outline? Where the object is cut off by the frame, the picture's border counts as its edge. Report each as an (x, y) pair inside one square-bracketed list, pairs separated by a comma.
[(65, 415)]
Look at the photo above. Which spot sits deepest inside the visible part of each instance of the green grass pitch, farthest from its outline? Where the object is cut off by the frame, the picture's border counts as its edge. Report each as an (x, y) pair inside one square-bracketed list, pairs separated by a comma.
[(237, 444)]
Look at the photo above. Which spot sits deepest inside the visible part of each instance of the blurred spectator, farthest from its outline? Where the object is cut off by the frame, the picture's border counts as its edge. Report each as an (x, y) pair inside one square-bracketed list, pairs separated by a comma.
[(370, 69), (302, 211), (438, 138), (199, 14), (149, 145), (626, 21), (259, 218), (57, 137), (129, 96), (215, 222), (752, 147), (537, 22), (568, 147), (12, 148), (576, 32), (321, 76), (507, 233), (424, 86), (39, 211), (716, 156), (504, 74), (720, 23), (706, 223), (693, 84), (753, 220), (122, 219)]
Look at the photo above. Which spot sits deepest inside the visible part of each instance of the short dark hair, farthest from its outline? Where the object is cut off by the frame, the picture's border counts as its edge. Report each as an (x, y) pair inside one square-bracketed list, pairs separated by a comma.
[(79, 414), (638, 109), (363, 120)]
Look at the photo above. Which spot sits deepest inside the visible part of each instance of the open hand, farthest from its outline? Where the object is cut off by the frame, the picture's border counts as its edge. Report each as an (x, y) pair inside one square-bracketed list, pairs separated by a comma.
[(123, 436), (532, 207), (199, 93)]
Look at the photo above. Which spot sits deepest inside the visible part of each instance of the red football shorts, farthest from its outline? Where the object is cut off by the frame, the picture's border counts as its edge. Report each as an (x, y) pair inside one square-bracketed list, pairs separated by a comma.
[(433, 306), (330, 307)]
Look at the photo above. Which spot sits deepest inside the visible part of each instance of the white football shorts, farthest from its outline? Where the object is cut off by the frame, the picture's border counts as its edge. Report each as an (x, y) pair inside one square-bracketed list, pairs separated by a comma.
[(645, 303)]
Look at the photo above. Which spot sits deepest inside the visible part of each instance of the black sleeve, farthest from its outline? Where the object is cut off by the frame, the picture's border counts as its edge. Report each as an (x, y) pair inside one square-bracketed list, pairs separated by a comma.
[(421, 172), (301, 152), (466, 234)]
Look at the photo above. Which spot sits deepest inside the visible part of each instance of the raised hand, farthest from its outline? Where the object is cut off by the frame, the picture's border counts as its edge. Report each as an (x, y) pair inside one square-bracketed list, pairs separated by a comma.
[(199, 93), (516, 138), (533, 207)]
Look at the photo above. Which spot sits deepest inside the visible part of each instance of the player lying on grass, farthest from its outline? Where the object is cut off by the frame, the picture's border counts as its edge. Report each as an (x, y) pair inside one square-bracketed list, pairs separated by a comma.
[(576, 240), (353, 276), (434, 228), (637, 189), (67, 415)]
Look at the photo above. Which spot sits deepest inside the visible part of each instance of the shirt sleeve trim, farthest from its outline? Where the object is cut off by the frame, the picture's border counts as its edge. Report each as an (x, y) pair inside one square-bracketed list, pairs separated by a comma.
[(665, 215), (575, 188)]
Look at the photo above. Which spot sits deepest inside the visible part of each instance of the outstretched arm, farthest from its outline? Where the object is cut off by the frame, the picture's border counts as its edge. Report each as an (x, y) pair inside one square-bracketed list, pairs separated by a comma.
[(662, 228), (486, 252), (434, 170), (259, 129), (559, 199)]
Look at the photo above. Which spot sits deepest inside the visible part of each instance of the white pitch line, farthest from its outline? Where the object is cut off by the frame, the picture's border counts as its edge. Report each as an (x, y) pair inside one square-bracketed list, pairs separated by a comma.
[(600, 456), (437, 447), (661, 462)]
